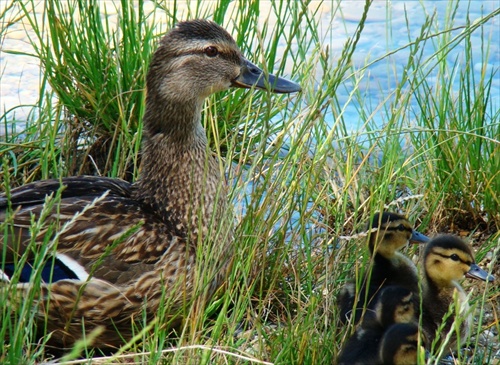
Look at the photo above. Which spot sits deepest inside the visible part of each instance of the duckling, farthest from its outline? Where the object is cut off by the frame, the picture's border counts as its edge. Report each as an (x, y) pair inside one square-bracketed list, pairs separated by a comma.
[(399, 345), (128, 248), (390, 267), (447, 259), (394, 304)]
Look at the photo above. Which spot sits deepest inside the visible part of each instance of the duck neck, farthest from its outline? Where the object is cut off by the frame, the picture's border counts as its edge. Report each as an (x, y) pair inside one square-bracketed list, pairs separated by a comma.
[(180, 180), (438, 287)]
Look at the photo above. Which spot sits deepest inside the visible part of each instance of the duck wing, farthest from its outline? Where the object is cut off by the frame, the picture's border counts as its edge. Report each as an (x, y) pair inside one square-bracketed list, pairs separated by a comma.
[(78, 186), (97, 223)]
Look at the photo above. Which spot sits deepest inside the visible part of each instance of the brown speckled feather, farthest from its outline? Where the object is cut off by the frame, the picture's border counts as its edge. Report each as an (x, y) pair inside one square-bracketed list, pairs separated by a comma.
[(107, 221), (152, 260)]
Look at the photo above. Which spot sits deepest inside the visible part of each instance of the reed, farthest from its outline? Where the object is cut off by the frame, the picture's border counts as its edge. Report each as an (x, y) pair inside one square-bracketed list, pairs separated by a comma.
[(304, 175)]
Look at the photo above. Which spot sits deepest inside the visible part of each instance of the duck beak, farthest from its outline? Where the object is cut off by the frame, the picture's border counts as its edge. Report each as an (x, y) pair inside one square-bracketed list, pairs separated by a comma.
[(418, 237), (475, 272), (252, 76)]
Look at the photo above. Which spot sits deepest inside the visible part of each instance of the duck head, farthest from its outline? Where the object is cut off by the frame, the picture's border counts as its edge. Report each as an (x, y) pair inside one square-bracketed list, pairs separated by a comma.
[(198, 58), (395, 305), (393, 232), (400, 345), (447, 259)]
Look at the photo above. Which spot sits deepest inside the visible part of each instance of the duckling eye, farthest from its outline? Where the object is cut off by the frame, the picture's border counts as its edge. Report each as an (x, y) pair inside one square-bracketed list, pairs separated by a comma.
[(401, 227), (455, 257), (211, 51)]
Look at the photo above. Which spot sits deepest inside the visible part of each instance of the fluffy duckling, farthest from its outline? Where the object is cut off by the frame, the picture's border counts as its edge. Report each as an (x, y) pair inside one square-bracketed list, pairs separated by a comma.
[(391, 233), (399, 345), (136, 245), (447, 259), (394, 304)]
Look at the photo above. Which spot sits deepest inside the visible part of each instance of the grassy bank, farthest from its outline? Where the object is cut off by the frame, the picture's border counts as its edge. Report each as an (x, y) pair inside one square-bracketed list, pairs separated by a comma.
[(304, 175)]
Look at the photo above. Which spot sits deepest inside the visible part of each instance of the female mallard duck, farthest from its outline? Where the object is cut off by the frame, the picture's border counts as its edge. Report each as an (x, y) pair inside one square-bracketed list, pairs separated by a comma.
[(399, 346), (390, 233), (447, 259), (394, 304), (135, 245)]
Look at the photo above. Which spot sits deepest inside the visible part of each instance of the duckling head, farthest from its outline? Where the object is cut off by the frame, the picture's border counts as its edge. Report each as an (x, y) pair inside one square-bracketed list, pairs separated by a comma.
[(196, 59), (399, 345), (393, 232), (395, 304), (447, 259)]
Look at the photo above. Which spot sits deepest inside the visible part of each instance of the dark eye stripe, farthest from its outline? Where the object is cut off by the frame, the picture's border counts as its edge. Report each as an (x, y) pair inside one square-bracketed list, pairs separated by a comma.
[(223, 53), (449, 257), (397, 229)]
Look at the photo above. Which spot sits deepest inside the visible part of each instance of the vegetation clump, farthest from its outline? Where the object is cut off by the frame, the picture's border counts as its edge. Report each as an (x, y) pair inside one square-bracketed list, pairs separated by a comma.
[(305, 172)]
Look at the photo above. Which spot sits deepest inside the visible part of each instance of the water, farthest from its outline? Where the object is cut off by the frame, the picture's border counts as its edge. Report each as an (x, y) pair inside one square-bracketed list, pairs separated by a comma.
[(386, 30), (406, 19)]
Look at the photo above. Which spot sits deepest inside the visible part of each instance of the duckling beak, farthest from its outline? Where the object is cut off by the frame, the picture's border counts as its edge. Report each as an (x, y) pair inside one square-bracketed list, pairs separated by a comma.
[(419, 237), (475, 272), (252, 76), (427, 354)]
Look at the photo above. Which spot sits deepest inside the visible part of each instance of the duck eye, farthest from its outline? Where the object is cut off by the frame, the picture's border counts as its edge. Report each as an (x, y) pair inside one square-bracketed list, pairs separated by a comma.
[(401, 227), (211, 51), (455, 257)]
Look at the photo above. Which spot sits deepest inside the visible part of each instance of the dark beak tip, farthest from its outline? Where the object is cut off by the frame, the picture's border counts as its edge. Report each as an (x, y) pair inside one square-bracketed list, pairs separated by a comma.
[(490, 278), (277, 85), (477, 273), (288, 90), (253, 76)]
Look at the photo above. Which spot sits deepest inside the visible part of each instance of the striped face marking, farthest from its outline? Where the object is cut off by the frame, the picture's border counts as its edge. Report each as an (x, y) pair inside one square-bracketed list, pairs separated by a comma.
[(391, 237), (445, 265), (395, 305), (400, 345), (455, 255), (447, 258)]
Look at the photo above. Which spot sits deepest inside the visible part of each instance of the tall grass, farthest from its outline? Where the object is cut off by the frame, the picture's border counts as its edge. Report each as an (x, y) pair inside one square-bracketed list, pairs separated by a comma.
[(459, 116), (303, 179)]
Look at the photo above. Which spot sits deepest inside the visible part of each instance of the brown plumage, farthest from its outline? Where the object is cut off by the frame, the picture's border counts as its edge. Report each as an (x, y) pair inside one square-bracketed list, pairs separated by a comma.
[(395, 304), (136, 245), (447, 259), (391, 233)]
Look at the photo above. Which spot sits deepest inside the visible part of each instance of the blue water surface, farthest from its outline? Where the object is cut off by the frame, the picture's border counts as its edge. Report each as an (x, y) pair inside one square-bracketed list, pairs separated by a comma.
[(393, 25)]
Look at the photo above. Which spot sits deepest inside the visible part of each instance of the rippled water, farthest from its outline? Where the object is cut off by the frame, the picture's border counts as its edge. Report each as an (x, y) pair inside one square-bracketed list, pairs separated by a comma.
[(406, 19), (386, 29)]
